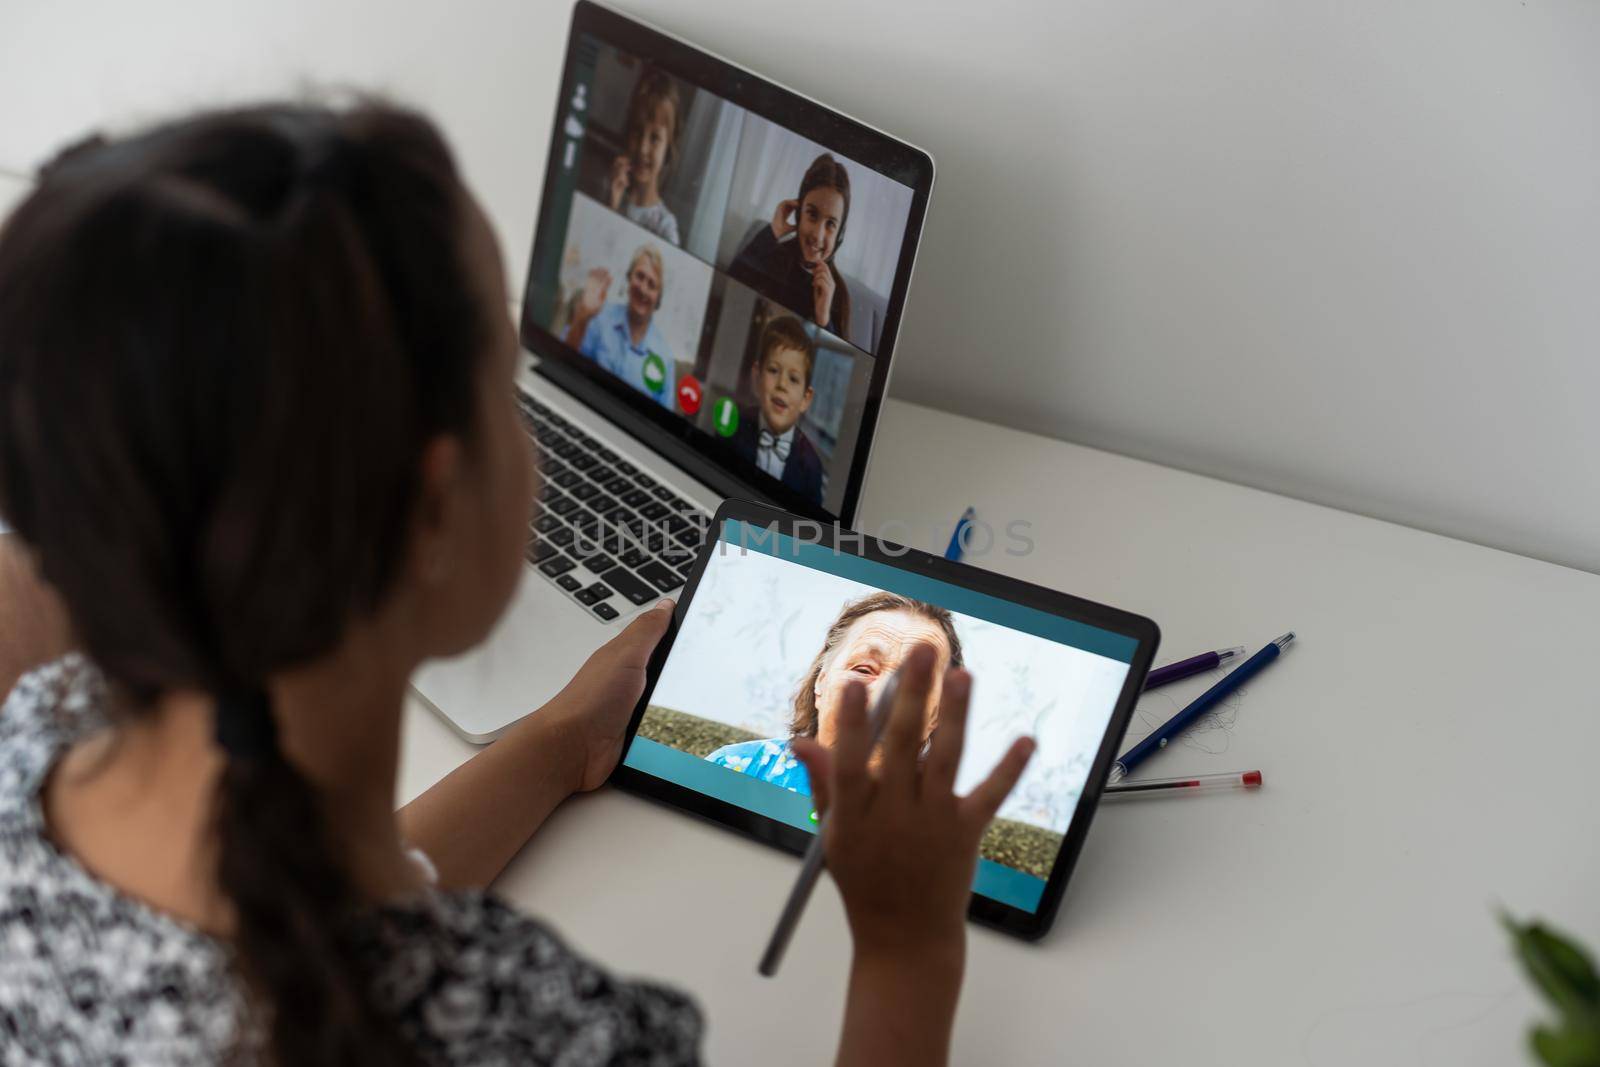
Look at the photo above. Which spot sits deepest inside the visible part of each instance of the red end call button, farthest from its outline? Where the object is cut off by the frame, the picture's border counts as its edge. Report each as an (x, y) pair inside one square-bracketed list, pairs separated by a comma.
[(689, 394)]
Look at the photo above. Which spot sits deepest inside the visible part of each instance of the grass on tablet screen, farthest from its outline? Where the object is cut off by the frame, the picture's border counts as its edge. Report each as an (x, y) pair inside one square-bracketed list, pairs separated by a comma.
[(1015, 844)]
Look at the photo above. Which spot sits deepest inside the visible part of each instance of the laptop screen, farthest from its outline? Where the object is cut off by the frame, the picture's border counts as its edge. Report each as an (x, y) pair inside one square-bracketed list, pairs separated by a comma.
[(727, 259)]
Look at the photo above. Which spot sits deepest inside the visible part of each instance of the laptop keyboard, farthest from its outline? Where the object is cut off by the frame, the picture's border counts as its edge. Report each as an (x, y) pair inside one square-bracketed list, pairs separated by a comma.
[(607, 534)]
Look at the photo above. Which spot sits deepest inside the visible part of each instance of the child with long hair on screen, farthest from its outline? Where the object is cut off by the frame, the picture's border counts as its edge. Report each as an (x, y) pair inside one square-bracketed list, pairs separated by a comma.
[(655, 115), (791, 259)]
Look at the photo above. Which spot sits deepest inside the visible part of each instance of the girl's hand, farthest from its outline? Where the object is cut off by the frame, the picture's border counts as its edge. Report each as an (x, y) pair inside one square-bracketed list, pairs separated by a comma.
[(473, 821), (901, 845), (591, 714), (621, 174), (822, 286), (781, 226)]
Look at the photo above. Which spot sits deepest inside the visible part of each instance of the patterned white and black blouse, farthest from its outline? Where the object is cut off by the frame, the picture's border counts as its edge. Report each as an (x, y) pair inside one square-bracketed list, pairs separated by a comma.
[(91, 976)]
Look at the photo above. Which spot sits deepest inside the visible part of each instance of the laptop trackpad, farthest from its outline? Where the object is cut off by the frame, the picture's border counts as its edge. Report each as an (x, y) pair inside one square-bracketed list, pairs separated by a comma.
[(533, 652)]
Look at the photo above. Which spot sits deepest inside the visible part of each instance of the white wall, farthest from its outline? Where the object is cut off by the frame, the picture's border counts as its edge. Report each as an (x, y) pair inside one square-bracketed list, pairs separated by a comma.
[(1345, 250)]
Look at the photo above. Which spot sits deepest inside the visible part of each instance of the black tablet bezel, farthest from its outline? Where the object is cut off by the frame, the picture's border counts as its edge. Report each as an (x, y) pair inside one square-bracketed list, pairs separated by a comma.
[(982, 909), (704, 457)]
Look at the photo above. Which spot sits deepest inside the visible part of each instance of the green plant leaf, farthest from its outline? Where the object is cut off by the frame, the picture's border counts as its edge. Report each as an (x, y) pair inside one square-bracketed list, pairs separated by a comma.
[(1559, 967), (1567, 1047), (1568, 961), (1565, 973)]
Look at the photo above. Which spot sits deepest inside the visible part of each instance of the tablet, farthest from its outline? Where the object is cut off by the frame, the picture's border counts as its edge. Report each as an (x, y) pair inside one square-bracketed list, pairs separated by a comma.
[(780, 613)]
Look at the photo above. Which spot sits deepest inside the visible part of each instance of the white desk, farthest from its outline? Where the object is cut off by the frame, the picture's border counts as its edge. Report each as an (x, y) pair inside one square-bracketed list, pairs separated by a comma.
[(1428, 746), (1428, 750)]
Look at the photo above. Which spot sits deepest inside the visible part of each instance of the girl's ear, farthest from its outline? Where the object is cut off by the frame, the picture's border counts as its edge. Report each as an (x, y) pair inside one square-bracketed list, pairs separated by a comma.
[(438, 512)]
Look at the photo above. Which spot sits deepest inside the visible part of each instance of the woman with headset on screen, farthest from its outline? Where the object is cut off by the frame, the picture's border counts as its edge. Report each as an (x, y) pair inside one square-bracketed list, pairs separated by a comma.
[(791, 259), (260, 457)]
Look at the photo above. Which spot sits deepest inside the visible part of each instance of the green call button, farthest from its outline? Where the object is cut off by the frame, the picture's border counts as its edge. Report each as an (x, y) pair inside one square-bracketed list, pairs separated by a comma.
[(725, 416), (655, 373)]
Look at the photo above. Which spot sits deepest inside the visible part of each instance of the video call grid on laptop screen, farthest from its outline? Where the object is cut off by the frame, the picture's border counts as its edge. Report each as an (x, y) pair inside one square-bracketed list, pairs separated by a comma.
[(721, 726), (743, 277)]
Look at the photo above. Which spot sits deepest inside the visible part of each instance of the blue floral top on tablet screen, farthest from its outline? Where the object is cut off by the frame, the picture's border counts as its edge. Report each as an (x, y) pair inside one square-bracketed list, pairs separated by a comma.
[(771, 760)]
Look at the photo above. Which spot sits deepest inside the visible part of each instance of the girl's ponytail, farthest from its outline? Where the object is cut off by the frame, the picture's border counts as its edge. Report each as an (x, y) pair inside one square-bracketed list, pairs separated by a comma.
[(292, 903), (224, 344)]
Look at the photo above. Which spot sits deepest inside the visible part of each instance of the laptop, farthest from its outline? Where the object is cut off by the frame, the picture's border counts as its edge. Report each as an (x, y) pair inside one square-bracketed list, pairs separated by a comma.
[(717, 280)]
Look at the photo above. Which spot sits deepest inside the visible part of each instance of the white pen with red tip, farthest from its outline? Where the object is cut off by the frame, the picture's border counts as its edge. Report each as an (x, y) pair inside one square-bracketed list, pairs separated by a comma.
[(1194, 783)]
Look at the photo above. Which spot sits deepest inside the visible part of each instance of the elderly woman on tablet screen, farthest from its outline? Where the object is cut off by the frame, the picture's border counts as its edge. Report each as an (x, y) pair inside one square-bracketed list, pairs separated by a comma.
[(866, 643)]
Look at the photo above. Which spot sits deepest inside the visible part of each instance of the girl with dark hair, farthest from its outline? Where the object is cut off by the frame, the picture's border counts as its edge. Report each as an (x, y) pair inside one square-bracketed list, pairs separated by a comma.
[(257, 439), (798, 270)]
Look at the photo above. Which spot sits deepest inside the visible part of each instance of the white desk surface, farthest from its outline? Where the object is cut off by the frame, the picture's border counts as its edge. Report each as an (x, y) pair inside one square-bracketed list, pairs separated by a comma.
[(1428, 749), (1428, 752)]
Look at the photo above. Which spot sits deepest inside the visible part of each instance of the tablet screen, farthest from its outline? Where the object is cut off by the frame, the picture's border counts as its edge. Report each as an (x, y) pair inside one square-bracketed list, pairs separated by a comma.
[(776, 629)]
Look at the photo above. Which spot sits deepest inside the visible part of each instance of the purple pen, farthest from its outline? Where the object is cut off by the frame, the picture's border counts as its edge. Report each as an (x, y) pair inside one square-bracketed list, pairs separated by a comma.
[(1188, 668)]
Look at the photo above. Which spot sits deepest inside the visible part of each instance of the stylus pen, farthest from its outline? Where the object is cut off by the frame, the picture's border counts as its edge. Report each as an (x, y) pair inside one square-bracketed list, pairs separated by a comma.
[(1196, 783), (955, 549), (1188, 668), (1206, 701), (811, 866)]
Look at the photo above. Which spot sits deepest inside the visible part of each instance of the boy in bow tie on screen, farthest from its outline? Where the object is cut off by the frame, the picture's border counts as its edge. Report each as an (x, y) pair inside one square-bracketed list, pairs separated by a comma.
[(781, 379)]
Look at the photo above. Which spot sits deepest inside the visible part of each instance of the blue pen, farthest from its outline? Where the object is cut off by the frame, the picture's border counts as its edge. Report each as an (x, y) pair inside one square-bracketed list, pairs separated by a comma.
[(1207, 700), (955, 548)]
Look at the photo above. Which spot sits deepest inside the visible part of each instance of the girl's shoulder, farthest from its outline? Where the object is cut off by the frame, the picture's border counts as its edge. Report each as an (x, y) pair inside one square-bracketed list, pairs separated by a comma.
[(474, 980), (468, 978), (657, 218), (740, 750), (762, 251), (50, 707)]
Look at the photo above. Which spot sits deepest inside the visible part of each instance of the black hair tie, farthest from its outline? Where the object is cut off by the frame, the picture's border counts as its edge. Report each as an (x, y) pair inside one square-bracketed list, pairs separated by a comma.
[(245, 726)]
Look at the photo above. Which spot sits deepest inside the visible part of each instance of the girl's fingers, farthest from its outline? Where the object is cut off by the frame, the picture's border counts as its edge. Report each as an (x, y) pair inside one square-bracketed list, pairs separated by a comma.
[(633, 646), (981, 804), (819, 765), (902, 739), (950, 738), (851, 749)]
